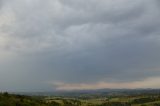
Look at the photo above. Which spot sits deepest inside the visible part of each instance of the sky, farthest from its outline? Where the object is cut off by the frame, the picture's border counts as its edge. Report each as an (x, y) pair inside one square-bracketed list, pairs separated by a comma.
[(48, 45)]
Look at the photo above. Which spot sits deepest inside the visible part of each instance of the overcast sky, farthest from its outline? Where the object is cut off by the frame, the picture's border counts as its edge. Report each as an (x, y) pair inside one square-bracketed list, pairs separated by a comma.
[(50, 45)]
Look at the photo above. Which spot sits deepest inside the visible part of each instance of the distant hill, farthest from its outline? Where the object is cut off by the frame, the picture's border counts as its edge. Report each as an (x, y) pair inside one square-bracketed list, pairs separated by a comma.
[(101, 92)]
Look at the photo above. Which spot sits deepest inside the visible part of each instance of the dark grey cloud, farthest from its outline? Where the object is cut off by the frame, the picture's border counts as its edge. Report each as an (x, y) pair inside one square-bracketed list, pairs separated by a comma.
[(77, 41), (1, 1)]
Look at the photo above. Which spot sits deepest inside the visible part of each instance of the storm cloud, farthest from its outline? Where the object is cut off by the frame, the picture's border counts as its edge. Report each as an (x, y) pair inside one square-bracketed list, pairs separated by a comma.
[(46, 45)]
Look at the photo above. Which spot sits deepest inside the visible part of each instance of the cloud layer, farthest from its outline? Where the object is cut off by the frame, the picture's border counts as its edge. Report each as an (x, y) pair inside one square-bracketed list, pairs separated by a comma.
[(79, 42)]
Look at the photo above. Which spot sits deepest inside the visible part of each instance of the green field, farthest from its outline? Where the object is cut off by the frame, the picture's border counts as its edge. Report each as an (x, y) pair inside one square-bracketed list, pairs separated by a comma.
[(114, 101)]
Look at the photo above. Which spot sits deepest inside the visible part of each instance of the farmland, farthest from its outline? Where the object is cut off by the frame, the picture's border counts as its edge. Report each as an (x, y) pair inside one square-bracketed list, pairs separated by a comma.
[(108, 98)]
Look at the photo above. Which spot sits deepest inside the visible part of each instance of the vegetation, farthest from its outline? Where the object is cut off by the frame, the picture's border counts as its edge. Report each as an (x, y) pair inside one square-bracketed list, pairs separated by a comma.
[(19, 100), (81, 100)]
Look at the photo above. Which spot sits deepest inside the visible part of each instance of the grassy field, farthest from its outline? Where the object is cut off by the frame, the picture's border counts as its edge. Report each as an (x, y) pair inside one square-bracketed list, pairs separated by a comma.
[(142, 100)]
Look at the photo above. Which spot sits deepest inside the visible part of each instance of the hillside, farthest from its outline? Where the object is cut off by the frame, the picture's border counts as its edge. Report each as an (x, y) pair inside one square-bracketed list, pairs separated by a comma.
[(20, 100), (140, 98)]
